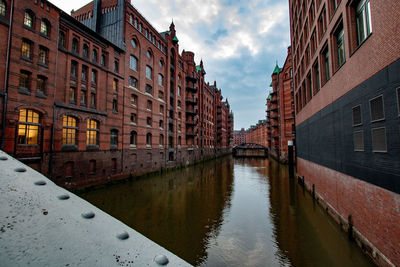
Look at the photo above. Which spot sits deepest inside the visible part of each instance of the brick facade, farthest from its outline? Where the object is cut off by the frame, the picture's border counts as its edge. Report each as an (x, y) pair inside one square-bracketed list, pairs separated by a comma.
[(346, 61), (280, 110), (102, 95)]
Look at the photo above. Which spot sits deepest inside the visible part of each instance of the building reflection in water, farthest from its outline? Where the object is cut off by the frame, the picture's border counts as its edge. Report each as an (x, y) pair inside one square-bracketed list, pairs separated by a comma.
[(231, 212)]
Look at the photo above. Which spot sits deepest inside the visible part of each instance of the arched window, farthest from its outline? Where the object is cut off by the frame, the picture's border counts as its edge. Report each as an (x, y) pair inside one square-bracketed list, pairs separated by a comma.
[(130, 19), (69, 131), (148, 139), (135, 23), (92, 133), (3, 8), (133, 63), (75, 46), (85, 51), (61, 39), (94, 55), (148, 54), (161, 140), (103, 60), (45, 27), (114, 138), (28, 127), (133, 138), (133, 42), (28, 19)]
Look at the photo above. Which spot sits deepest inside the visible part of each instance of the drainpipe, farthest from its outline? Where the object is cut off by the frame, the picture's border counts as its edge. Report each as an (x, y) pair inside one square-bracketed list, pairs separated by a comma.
[(3, 123)]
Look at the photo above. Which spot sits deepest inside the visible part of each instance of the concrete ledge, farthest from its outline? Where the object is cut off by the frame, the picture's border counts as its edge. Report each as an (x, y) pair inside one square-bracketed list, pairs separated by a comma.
[(42, 224)]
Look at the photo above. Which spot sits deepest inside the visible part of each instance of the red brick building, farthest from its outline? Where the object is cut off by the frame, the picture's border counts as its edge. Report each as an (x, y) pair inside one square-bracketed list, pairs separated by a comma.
[(280, 111), (346, 64), (257, 134), (102, 94), (239, 137)]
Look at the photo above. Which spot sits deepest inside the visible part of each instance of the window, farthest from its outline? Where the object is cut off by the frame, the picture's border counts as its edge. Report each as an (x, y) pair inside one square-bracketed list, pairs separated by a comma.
[(61, 39), (376, 108), (72, 95), (148, 122), (161, 109), (322, 23), (28, 19), (133, 118), (363, 20), (333, 5), (133, 62), (179, 104), (148, 54), (160, 79), (357, 120), (114, 138), (83, 96), (24, 80), (316, 76), (94, 76), (140, 27), (379, 140), (69, 131), (94, 55), (325, 63), (398, 99), (130, 19), (161, 140), (133, 100), (358, 139), (133, 43), (103, 60), (149, 105), (136, 23), (116, 66), (148, 139), (161, 64), (84, 73), (115, 85), (74, 69), (45, 28), (149, 89), (2, 8), (161, 124), (133, 138), (43, 55), (28, 127), (41, 85), (160, 94), (92, 133), (75, 46), (93, 99), (148, 72), (340, 57), (115, 104), (26, 49), (133, 82), (179, 90), (85, 51)]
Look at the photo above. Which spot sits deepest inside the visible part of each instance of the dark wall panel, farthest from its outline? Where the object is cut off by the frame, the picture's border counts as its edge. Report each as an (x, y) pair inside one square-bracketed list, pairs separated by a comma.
[(326, 138)]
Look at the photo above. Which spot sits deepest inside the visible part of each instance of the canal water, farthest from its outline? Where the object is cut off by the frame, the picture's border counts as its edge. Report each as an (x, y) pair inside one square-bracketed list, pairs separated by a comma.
[(231, 212)]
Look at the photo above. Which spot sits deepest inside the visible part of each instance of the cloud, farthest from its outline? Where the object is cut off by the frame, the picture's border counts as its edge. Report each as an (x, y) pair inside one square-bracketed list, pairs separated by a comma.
[(239, 42)]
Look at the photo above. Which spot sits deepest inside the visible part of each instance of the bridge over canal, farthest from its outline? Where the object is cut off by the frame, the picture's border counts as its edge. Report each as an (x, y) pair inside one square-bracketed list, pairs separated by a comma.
[(250, 150)]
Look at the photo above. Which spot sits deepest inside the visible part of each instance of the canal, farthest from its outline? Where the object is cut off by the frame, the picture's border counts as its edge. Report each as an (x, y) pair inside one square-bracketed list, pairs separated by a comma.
[(231, 212)]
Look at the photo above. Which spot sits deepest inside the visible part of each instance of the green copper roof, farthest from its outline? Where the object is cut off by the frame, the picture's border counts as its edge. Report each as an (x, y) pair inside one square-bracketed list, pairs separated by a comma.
[(269, 97), (270, 84), (276, 70), (175, 39), (198, 68)]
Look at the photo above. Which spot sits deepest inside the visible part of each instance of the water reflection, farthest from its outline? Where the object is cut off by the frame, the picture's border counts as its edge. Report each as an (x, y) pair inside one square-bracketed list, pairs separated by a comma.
[(242, 212)]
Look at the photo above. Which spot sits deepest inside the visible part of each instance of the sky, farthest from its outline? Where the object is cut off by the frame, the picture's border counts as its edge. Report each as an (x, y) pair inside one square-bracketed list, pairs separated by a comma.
[(239, 41)]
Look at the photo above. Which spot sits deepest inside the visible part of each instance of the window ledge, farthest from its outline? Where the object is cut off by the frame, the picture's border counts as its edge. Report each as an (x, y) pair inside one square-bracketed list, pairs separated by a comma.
[(114, 147), (41, 95), (69, 147), (27, 59), (43, 65), (92, 147), (24, 91)]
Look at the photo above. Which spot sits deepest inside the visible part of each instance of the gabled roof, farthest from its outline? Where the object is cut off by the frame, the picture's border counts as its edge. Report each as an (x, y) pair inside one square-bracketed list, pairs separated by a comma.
[(276, 70)]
